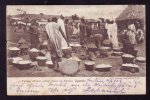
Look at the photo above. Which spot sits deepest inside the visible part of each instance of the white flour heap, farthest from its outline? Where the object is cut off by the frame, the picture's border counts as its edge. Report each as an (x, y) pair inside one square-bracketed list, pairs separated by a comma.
[(34, 50), (128, 55), (14, 48)]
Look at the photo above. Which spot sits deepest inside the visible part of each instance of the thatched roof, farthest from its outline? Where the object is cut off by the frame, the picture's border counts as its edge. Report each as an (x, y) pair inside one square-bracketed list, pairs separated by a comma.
[(22, 40), (132, 12)]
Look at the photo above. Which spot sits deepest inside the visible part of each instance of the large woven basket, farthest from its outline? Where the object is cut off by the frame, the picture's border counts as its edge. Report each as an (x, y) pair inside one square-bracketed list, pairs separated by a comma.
[(14, 51), (33, 54), (89, 65), (41, 61), (126, 59), (23, 64)]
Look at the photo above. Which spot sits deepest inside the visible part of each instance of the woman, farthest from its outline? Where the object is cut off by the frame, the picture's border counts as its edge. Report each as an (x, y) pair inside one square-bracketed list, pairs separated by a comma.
[(34, 34), (129, 40), (62, 25), (68, 29), (55, 33)]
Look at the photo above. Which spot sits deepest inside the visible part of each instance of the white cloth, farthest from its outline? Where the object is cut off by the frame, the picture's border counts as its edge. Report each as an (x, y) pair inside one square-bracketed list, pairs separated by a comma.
[(53, 32), (62, 25), (112, 34)]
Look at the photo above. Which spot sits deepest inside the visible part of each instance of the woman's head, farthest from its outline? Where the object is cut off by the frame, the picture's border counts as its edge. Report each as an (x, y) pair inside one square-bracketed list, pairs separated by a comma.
[(54, 19)]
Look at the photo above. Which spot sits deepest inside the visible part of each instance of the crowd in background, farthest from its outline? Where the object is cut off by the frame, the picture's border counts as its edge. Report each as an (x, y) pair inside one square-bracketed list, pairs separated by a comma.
[(60, 31)]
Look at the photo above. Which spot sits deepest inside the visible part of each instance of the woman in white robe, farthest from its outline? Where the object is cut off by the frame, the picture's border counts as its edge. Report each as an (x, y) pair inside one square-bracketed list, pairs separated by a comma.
[(62, 25), (112, 34), (55, 34)]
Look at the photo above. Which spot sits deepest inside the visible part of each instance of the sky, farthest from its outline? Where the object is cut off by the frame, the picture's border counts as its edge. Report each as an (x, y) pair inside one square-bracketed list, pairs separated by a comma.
[(88, 11)]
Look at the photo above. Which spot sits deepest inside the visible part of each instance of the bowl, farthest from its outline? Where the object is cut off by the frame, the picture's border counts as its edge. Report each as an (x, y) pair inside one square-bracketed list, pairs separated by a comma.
[(89, 65), (104, 49), (33, 53), (14, 51), (24, 64), (127, 58), (130, 67), (141, 59), (67, 51), (103, 67), (117, 49), (117, 53), (49, 64), (41, 60)]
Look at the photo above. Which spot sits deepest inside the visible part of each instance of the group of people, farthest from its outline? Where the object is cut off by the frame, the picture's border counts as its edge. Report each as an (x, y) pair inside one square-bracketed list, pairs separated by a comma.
[(60, 30)]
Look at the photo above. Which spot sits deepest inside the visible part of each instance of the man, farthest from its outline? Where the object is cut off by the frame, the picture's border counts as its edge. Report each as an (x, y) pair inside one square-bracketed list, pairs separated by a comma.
[(112, 33), (62, 25), (34, 34), (82, 27), (55, 34)]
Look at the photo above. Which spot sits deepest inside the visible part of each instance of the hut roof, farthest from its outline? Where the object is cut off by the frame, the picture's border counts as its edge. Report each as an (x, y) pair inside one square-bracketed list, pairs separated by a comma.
[(22, 40), (132, 12)]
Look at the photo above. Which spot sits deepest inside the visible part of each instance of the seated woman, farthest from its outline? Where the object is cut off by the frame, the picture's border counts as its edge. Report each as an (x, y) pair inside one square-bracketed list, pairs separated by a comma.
[(129, 40)]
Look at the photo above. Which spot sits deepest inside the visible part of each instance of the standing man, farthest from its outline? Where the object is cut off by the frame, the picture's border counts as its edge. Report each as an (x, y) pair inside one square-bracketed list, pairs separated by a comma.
[(55, 34), (82, 27), (62, 25), (34, 34)]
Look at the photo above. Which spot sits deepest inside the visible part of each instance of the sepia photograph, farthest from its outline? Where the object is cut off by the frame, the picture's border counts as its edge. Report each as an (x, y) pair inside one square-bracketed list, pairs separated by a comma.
[(76, 40)]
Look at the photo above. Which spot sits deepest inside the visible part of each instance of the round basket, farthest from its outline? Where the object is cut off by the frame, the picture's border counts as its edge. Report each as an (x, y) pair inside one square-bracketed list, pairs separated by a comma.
[(41, 60), (128, 59), (103, 67), (33, 54), (76, 47), (117, 49), (49, 64), (130, 67), (14, 51), (117, 53), (104, 49), (24, 64), (89, 65), (67, 52), (15, 64), (140, 59)]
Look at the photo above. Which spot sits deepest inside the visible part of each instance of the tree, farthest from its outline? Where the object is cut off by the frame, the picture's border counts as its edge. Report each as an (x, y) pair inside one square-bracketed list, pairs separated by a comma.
[(75, 17)]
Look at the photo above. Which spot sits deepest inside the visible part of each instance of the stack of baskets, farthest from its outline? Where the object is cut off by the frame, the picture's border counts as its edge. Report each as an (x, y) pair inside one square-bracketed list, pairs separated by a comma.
[(117, 51), (128, 63)]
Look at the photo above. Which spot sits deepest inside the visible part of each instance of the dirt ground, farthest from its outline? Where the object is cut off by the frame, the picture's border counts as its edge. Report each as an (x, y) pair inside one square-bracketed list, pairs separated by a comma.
[(115, 61)]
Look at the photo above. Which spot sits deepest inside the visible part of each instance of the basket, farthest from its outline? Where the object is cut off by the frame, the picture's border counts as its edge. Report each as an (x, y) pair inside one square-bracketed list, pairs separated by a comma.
[(24, 64), (67, 52), (140, 59), (41, 60), (126, 59), (129, 67), (102, 67), (117, 53), (89, 65), (104, 49), (117, 49), (33, 54), (49, 64), (14, 51)]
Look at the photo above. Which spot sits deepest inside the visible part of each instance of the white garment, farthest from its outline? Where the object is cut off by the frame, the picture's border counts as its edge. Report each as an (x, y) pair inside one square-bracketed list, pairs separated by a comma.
[(112, 34), (62, 25), (54, 35)]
